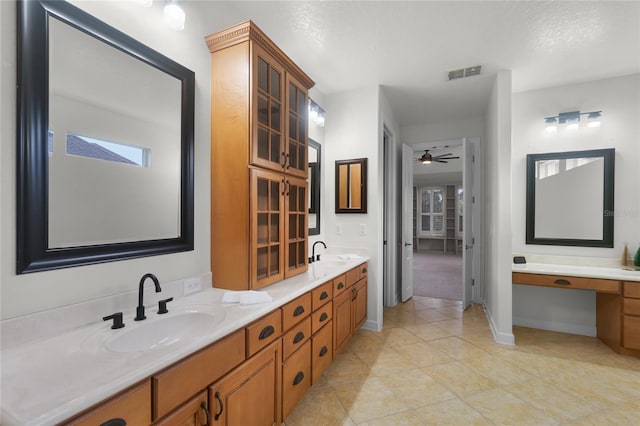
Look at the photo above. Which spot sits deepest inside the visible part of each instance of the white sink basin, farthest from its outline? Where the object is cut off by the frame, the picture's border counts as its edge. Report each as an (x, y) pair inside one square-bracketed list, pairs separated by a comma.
[(322, 268), (162, 332)]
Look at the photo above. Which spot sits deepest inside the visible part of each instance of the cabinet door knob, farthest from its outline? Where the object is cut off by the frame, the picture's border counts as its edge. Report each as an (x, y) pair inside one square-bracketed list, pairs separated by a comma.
[(323, 317), (364, 270), (114, 422), (323, 351), (299, 377), (324, 295), (206, 413), (217, 415), (298, 311), (340, 285), (299, 336), (266, 332)]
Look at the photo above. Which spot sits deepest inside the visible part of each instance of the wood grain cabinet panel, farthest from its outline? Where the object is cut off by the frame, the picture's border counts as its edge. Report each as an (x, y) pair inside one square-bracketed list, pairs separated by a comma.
[(321, 295), (558, 281), (194, 412), (296, 378), (295, 311), (631, 306), (359, 303), (339, 284), (321, 351), (132, 405), (631, 332), (632, 289), (296, 337), (342, 321), (263, 331), (321, 317)]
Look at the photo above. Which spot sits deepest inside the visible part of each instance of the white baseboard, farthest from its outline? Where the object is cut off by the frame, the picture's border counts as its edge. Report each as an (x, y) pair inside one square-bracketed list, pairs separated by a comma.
[(562, 327), (500, 337), (371, 325)]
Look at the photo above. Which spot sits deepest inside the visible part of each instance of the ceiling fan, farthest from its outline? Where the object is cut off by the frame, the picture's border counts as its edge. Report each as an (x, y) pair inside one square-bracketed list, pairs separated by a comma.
[(428, 158)]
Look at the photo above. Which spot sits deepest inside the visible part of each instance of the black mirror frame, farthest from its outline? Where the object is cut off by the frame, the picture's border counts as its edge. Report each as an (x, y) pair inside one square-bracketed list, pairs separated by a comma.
[(33, 253), (608, 198), (363, 193), (314, 188)]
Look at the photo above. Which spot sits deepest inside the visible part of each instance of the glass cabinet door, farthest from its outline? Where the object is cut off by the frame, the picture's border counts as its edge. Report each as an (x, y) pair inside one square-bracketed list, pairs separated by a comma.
[(296, 225), (267, 147), (267, 220), (296, 149)]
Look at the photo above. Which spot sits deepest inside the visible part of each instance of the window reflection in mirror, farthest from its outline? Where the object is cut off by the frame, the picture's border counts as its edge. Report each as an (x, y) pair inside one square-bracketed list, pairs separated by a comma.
[(314, 187), (351, 186)]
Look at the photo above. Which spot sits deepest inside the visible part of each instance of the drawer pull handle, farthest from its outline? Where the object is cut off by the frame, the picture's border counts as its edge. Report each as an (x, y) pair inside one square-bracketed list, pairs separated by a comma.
[(364, 270), (114, 422), (323, 317), (299, 337), (324, 295), (266, 332), (217, 415), (562, 282), (340, 285), (298, 311), (206, 412), (299, 377), (323, 351)]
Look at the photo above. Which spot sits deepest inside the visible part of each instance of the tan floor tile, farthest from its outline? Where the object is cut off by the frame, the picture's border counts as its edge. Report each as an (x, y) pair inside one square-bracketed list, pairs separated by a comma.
[(459, 378), (503, 408), (387, 362), (432, 315), (625, 414), (496, 369), (618, 361), (417, 389), (346, 368), (398, 337), (371, 400), (405, 418), (452, 412), (427, 331), (424, 355), (556, 402), (364, 341), (457, 348), (319, 407), (431, 302), (451, 311)]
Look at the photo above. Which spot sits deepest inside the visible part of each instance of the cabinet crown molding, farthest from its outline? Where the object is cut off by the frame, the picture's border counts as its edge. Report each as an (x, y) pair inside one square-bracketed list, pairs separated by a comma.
[(249, 31)]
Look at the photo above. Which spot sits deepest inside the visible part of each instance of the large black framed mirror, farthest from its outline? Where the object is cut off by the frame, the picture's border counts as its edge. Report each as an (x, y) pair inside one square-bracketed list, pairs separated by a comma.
[(570, 198), (314, 157), (105, 143), (351, 186)]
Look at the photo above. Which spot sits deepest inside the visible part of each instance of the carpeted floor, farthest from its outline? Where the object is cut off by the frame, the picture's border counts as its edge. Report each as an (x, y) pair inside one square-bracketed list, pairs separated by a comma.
[(438, 275)]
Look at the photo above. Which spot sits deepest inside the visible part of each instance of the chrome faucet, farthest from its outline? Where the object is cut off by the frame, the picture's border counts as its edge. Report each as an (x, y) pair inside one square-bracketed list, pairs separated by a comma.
[(315, 257), (140, 309)]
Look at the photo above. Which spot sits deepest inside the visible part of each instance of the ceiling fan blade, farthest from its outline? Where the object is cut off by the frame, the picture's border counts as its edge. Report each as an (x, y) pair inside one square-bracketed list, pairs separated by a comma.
[(447, 158), (439, 160)]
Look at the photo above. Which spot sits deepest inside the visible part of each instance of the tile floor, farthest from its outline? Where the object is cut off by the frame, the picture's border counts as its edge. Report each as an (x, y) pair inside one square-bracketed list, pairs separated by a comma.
[(434, 364)]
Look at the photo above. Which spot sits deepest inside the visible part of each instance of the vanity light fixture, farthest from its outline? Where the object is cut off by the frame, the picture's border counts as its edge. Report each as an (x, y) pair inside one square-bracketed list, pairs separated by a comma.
[(316, 113), (174, 15), (571, 120)]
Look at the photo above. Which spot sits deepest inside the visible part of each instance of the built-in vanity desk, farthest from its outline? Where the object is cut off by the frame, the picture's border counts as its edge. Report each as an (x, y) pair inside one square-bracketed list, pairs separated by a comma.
[(248, 365), (617, 297)]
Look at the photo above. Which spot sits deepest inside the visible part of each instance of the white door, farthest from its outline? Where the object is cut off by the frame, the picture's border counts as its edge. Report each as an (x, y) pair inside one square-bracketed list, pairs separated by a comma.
[(406, 290), (467, 237)]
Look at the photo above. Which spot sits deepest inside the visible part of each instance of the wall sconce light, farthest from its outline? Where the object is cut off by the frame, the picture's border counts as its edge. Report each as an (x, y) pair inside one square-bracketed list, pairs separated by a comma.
[(316, 113), (174, 15), (572, 120)]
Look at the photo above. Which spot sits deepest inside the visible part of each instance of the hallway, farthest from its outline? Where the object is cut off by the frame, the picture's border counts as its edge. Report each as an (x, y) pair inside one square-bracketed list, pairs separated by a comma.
[(434, 364), (437, 275)]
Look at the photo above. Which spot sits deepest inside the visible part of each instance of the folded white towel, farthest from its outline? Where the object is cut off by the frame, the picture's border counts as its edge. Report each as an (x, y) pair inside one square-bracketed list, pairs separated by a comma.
[(350, 256), (247, 297)]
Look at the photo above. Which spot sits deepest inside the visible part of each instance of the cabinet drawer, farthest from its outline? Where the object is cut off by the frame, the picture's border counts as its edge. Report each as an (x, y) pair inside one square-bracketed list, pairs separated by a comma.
[(295, 311), (599, 285), (321, 351), (184, 379), (194, 412), (632, 289), (631, 332), (296, 378), (320, 317), (364, 270), (631, 306), (132, 405), (263, 331), (321, 295), (296, 337), (339, 284), (353, 276)]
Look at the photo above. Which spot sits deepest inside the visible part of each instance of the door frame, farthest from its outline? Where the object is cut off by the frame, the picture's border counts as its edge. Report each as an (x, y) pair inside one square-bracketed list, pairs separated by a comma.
[(390, 220)]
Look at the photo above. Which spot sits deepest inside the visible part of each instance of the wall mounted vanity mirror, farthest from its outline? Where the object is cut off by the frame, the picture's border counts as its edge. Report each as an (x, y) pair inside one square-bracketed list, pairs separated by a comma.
[(314, 187), (570, 198), (351, 186), (105, 143)]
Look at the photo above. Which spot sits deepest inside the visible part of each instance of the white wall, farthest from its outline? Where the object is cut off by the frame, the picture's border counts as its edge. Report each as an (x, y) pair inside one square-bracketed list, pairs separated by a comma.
[(497, 203), (445, 130), (39, 291), (619, 99), (317, 134)]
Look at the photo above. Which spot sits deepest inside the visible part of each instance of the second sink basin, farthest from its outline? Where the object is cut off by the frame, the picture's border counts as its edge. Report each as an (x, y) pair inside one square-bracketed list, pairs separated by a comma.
[(164, 331), (321, 268)]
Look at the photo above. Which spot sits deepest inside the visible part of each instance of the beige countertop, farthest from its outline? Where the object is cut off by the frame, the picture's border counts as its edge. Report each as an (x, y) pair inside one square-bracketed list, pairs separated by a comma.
[(611, 273), (47, 380)]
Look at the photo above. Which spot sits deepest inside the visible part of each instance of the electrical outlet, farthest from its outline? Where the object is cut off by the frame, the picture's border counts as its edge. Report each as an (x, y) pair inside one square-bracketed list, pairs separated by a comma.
[(192, 285)]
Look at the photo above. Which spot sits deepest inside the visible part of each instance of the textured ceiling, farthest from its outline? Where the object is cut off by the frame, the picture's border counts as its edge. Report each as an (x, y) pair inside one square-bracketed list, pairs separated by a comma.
[(408, 47)]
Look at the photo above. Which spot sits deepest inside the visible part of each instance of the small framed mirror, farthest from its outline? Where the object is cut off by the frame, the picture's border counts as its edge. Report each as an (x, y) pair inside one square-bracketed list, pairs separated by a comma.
[(570, 198), (351, 186), (314, 187)]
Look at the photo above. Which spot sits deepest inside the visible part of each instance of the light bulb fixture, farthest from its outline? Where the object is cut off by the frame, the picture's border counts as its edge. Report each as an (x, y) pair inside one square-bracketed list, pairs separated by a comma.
[(316, 113), (571, 120), (174, 15)]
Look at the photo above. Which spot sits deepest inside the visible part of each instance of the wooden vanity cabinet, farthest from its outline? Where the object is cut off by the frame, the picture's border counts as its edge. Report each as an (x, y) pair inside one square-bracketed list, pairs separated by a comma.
[(631, 316), (350, 306), (258, 160), (133, 405), (194, 412)]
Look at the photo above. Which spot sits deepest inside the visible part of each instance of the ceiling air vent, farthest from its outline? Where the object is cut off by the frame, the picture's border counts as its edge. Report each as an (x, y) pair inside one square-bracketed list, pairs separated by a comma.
[(464, 72)]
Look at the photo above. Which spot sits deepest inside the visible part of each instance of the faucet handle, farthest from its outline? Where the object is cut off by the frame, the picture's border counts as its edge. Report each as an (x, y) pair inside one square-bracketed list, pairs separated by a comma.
[(117, 320), (162, 305), (317, 257)]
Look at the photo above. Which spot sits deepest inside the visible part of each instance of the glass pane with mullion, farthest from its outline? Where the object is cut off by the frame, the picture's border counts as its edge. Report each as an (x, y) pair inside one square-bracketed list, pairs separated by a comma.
[(263, 195), (274, 260), (426, 223), (275, 84), (302, 129), (293, 154), (293, 231), (293, 92), (292, 255), (263, 110), (302, 102), (274, 229), (275, 147), (425, 201), (274, 196), (301, 226), (301, 257), (438, 223), (293, 126), (302, 199), (302, 156), (263, 143), (293, 197), (275, 115), (262, 261), (263, 75), (263, 228), (438, 201)]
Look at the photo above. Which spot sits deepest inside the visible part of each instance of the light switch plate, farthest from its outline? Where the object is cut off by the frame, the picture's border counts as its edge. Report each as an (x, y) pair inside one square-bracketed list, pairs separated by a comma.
[(363, 229), (339, 229)]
